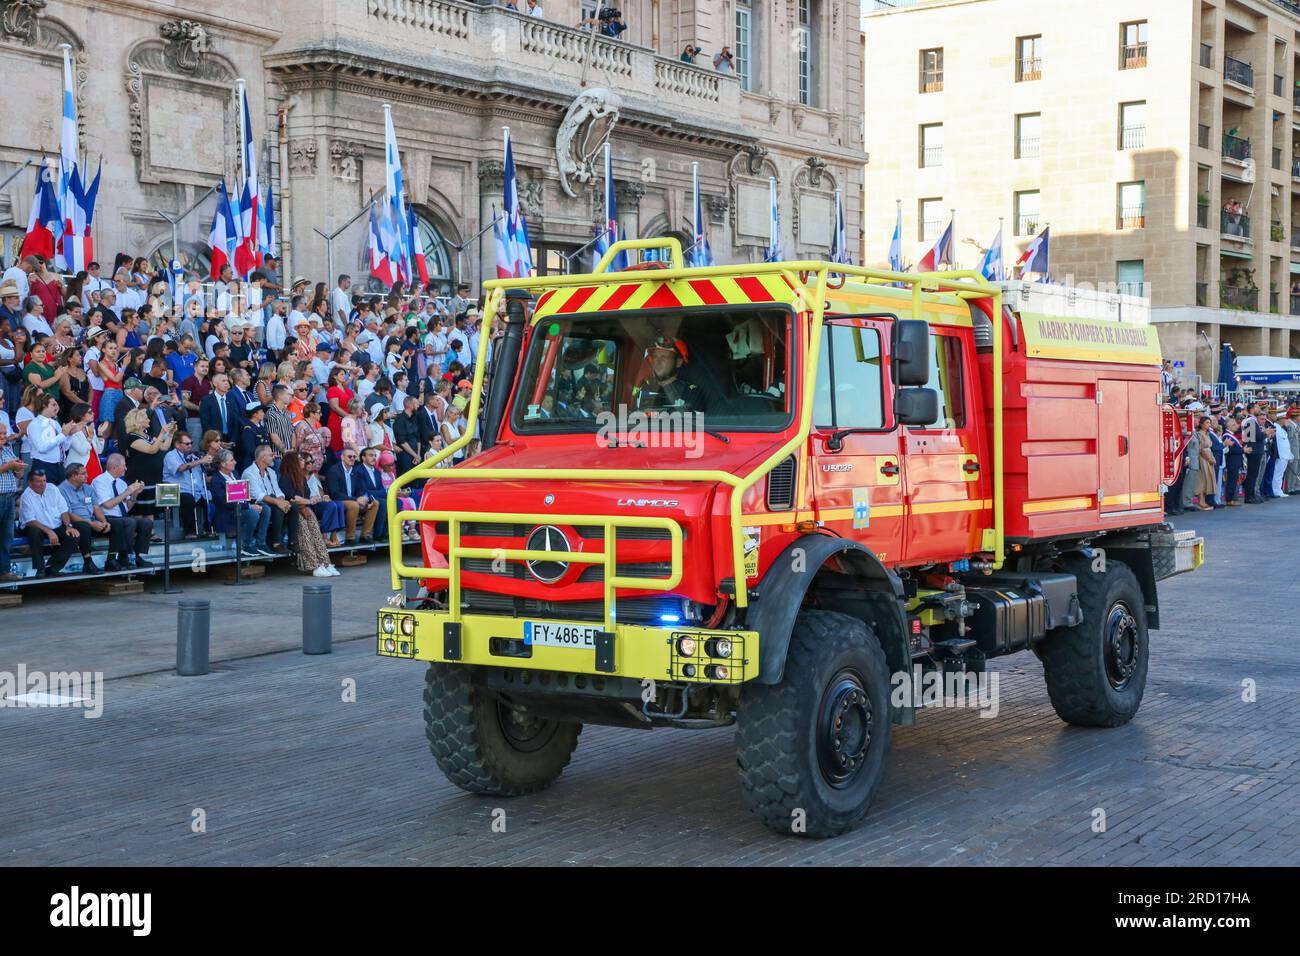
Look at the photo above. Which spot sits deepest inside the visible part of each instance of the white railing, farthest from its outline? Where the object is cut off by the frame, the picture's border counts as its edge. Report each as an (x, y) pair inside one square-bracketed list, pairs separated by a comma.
[(438, 16), (687, 80)]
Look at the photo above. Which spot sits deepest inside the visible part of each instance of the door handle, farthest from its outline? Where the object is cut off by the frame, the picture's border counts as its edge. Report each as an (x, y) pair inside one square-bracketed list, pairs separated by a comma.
[(970, 467), (889, 469), (1123, 445)]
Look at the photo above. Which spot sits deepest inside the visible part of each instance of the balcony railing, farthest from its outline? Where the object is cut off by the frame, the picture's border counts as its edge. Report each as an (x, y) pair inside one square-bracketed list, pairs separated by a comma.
[(1295, 304), (1028, 147), (1029, 68), (1203, 215), (1203, 136), (1238, 71), (1027, 225), (932, 156), (930, 229), (1234, 224), (1133, 56), (1295, 235), (932, 81), (1132, 217), (1132, 137), (1295, 168), (1235, 147), (1232, 297), (1207, 55), (1273, 298), (1202, 293)]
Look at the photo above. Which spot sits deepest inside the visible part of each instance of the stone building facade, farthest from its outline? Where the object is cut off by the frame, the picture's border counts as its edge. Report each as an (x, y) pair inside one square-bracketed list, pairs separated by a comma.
[(155, 95)]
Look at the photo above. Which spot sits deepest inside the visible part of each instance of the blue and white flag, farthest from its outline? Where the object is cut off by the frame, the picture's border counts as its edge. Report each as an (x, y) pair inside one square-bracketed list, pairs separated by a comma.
[(839, 244), (896, 243), (514, 254), (773, 253), (395, 215), (67, 163), (701, 253), (991, 264), (610, 232), (271, 246)]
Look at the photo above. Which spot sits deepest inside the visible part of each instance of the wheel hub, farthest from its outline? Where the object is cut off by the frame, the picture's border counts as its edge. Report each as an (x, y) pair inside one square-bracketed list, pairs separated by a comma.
[(1123, 645), (525, 732), (844, 729)]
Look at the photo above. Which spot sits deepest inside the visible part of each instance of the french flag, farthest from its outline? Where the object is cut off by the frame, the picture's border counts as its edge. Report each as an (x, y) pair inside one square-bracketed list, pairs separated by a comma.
[(46, 221), (1035, 258), (941, 253), (224, 236), (251, 235), (78, 244), (416, 244)]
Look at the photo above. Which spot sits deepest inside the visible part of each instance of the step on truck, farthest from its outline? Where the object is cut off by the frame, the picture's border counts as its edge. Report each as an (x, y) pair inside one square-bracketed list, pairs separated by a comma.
[(771, 495)]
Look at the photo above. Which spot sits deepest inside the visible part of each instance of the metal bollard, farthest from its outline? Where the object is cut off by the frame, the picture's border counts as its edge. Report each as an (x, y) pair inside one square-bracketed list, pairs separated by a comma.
[(193, 624), (317, 619)]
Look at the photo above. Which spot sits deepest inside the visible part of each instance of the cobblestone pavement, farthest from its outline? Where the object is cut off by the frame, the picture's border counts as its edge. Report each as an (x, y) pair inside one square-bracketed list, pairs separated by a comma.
[(286, 772)]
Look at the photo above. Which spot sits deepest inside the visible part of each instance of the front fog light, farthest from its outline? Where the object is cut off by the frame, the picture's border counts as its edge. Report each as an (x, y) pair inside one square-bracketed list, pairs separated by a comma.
[(389, 625), (688, 670), (717, 672), (718, 647), (408, 628), (687, 646), (390, 645)]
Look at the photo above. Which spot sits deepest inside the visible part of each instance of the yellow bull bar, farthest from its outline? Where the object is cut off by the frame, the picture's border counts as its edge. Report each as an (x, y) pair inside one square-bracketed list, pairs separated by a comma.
[(965, 285), (609, 524)]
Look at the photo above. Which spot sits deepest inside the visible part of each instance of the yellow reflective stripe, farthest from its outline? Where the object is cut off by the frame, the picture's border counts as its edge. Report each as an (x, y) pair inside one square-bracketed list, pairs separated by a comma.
[(944, 507), (1058, 504), (1137, 498)]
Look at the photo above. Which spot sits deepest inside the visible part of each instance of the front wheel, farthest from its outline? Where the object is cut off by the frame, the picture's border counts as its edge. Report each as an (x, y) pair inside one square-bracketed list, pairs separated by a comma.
[(811, 750), (485, 746), (1097, 671)]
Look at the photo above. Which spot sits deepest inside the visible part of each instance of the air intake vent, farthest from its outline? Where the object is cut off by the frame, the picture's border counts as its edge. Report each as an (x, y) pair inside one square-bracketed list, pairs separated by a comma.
[(780, 486)]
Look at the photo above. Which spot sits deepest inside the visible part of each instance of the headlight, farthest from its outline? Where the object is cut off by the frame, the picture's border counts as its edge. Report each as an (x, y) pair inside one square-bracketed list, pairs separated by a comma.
[(389, 625), (408, 628), (687, 646), (390, 645), (718, 647), (688, 670)]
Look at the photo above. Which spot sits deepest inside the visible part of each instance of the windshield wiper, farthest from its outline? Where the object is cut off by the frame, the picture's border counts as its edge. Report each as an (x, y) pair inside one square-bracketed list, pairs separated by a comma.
[(718, 435)]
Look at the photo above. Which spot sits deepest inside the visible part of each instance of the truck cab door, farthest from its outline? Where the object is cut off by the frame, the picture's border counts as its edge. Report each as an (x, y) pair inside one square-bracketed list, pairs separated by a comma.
[(945, 475), (857, 474)]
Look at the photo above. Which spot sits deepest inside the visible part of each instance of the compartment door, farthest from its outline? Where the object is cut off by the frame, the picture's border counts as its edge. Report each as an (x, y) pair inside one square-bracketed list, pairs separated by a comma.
[(1114, 445)]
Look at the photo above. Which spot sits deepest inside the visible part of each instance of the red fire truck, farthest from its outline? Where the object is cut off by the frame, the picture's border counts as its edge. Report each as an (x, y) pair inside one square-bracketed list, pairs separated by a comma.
[(770, 495)]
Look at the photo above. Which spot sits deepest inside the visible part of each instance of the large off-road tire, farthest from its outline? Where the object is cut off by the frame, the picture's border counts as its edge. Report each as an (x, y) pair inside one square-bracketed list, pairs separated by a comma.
[(1097, 671), (484, 746), (811, 749)]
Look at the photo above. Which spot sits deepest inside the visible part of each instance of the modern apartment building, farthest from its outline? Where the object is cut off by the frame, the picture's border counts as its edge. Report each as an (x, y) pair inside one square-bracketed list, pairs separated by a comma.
[(1160, 140)]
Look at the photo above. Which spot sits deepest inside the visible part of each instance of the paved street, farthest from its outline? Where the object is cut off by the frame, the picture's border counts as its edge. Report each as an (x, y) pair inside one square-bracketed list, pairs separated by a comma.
[(286, 772)]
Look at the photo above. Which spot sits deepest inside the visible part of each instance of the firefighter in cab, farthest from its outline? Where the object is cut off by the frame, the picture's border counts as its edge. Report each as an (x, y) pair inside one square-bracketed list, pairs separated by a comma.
[(664, 389)]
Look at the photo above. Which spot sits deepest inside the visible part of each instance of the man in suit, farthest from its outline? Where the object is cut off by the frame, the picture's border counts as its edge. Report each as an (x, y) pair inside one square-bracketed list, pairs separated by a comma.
[(347, 482), (1252, 438), (218, 411), (370, 467), (132, 398), (429, 422)]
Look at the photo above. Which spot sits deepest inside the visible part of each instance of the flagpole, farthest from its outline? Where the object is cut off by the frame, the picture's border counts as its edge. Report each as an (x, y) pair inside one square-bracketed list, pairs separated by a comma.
[(243, 120), (952, 242), (695, 204), (1002, 269)]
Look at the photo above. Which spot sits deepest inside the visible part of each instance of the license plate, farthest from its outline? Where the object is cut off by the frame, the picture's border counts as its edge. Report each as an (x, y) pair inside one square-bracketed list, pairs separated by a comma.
[(582, 636)]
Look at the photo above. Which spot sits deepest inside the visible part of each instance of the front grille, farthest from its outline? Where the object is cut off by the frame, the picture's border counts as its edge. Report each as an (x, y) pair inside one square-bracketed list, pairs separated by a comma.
[(642, 610), (780, 486), (589, 532), (511, 569), (651, 569)]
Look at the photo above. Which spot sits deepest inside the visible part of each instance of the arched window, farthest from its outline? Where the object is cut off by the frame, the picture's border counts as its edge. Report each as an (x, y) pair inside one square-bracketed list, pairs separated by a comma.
[(438, 255), (194, 256)]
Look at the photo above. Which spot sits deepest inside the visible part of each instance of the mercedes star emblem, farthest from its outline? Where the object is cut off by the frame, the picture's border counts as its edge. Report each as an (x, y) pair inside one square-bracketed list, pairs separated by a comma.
[(548, 538), (549, 500)]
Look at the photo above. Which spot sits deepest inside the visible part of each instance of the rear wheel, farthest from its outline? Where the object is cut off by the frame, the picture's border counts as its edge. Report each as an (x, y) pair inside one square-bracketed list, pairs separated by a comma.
[(485, 746), (1097, 671), (811, 750)]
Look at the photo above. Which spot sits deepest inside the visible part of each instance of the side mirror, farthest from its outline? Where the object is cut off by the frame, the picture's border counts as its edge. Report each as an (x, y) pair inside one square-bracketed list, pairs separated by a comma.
[(909, 347), (916, 406)]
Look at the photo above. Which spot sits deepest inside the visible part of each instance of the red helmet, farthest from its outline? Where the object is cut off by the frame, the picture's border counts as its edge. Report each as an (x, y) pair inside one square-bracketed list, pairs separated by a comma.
[(666, 343)]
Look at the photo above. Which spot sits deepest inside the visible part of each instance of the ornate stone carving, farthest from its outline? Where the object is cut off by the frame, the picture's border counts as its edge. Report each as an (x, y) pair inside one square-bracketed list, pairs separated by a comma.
[(582, 134), (753, 155), (773, 111), (491, 174), (187, 45), (302, 157), (717, 209), (816, 167), (345, 160), (532, 197), (629, 195), (18, 19), (798, 116)]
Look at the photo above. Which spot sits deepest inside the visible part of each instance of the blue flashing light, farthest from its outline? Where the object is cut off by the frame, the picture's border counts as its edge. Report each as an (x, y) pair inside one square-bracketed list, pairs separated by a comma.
[(669, 618)]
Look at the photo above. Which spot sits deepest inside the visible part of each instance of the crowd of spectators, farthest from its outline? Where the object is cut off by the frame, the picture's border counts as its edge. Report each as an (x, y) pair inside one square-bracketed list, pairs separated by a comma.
[(1234, 453), (316, 397)]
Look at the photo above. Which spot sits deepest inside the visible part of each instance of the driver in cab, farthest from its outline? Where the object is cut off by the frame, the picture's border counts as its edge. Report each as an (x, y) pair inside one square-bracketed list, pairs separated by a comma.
[(664, 389)]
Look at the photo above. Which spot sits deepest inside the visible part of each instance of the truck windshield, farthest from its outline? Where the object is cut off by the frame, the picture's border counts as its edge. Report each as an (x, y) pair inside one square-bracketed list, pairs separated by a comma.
[(729, 365)]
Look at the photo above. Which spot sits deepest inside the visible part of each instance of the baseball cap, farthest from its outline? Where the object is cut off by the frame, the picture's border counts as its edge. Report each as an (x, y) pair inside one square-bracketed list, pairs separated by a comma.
[(132, 382)]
